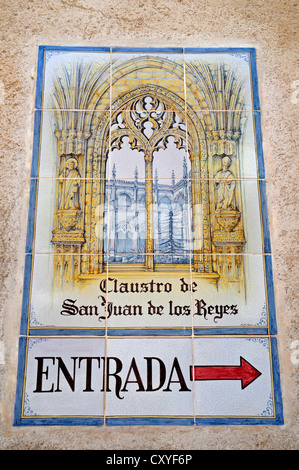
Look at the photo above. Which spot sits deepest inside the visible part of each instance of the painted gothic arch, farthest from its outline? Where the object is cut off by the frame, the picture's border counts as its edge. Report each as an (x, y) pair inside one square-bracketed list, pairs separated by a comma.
[(79, 230)]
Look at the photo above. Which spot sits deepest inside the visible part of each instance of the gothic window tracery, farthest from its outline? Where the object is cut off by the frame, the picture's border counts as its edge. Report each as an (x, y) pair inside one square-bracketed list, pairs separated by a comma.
[(147, 126)]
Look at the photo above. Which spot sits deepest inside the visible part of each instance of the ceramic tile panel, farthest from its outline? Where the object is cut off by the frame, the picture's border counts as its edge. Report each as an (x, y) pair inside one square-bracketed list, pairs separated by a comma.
[(60, 212), (139, 137), (238, 216), (148, 287)]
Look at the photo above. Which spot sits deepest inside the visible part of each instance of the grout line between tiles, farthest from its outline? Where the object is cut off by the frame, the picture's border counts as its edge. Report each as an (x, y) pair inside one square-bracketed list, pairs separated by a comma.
[(107, 264), (190, 265), (49, 253), (248, 178)]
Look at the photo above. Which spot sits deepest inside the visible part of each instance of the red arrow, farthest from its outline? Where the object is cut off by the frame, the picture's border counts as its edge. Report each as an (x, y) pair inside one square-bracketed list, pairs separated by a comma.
[(244, 372)]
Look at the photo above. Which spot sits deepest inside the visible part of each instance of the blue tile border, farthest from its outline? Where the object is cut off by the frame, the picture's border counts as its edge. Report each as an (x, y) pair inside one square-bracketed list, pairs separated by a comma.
[(149, 332), (259, 144), (39, 77), (233, 330), (229, 50), (26, 295), (20, 381), (73, 331), (113, 332), (150, 421), (31, 216), (150, 50), (270, 296), (58, 331), (36, 143), (264, 214), (58, 421), (276, 381)]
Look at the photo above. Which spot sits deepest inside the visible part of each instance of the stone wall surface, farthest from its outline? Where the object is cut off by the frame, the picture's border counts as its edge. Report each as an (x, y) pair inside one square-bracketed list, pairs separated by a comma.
[(268, 25)]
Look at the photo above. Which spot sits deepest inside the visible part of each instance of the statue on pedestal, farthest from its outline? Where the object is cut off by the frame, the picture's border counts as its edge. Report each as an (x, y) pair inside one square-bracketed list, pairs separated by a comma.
[(225, 185), (69, 180)]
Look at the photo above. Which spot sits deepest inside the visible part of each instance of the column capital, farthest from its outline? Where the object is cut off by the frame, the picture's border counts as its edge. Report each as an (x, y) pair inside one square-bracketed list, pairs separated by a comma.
[(148, 157)]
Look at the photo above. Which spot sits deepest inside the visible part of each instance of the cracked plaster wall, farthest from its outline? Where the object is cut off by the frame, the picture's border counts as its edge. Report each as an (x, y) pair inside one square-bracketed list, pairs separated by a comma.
[(268, 25)]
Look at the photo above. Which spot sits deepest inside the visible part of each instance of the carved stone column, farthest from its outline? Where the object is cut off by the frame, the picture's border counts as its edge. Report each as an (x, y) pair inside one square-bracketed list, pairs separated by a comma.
[(196, 213), (101, 220), (68, 205), (205, 265), (149, 234), (68, 231), (227, 221)]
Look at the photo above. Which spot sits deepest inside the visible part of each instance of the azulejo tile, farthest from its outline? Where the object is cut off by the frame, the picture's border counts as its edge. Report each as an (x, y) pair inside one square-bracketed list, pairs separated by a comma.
[(61, 381), (238, 298), (226, 79), (153, 381), (61, 209), (147, 143), (238, 215), (62, 294), (167, 222), (151, 296), (65, 136), (241, 376), (234, 135), (60, 71)]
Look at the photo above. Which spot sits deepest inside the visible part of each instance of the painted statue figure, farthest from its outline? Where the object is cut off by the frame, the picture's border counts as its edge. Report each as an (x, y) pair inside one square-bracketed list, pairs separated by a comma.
[(69, 180), (225, 185)]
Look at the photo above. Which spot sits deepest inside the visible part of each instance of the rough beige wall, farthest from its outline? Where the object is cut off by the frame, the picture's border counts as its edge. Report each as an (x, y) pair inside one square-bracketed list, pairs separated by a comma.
[(268, 25)]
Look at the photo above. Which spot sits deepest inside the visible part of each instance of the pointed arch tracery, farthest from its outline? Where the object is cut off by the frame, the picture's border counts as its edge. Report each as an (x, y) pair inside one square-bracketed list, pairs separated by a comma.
[(148, 116)]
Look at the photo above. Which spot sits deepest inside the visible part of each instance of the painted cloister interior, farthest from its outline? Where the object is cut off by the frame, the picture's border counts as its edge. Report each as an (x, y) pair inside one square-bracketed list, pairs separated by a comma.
[(148, 248), (152, 101)]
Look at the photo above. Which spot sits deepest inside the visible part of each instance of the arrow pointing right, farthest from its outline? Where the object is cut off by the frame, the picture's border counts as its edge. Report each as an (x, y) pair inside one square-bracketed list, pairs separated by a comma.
[(244, 372)]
